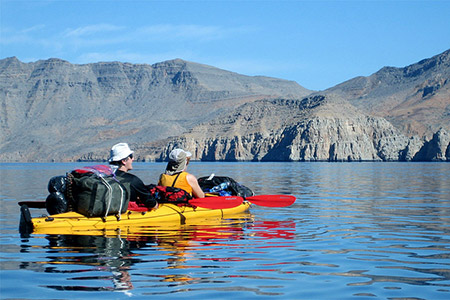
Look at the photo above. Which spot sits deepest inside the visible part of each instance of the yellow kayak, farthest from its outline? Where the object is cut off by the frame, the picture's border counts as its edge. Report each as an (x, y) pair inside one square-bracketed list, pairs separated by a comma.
[(166, 214)]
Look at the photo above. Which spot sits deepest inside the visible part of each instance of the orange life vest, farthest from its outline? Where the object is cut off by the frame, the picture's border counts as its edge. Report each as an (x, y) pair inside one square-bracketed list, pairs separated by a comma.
[(181, 181)]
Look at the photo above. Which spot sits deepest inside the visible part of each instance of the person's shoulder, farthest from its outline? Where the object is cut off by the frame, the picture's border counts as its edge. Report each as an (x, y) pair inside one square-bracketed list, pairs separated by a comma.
[(119, 173), (127, 175), (190, 176), (130, 175)]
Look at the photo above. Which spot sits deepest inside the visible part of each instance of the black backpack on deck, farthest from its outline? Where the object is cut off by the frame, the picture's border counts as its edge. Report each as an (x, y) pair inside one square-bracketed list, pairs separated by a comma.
[(234, 188), (56, 202)]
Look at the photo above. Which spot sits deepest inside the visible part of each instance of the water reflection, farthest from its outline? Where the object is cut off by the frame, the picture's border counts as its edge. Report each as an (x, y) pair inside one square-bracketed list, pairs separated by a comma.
[(106, 262), (90, 258), (357, 231)]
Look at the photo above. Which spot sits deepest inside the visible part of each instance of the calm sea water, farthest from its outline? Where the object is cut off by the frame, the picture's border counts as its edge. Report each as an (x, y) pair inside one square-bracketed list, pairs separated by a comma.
[(356, 231)]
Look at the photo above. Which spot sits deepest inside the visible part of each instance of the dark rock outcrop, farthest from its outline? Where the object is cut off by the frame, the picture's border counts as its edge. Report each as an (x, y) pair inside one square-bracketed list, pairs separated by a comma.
[(328, 130)]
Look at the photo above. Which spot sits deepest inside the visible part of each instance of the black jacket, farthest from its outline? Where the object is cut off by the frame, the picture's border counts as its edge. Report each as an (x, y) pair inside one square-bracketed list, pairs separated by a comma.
[(139, 192)]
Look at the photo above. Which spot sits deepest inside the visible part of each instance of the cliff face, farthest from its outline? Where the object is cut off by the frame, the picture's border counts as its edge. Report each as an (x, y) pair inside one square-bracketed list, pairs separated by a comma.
[(329, 130), (52, 110)]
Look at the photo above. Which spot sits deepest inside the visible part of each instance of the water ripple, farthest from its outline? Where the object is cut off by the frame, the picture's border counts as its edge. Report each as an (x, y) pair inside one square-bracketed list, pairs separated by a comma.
[(368, 230)]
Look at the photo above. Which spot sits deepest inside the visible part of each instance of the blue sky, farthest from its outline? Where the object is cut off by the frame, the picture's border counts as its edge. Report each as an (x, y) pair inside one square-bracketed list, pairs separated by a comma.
[(318, 44)]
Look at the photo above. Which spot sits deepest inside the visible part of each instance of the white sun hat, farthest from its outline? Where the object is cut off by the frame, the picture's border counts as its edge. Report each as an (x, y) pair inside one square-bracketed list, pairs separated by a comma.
[(177, 161), (179, 155), (120, 151)]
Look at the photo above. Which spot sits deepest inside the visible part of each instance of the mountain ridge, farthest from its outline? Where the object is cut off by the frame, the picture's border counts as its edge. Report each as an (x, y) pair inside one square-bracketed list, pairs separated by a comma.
[(44, 102), (414, 98), (52, 110)]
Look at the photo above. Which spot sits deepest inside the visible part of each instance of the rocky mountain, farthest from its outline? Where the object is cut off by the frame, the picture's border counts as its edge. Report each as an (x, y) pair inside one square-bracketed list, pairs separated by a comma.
[(415, 99), (316, 128), (395, 114), (54, 110)]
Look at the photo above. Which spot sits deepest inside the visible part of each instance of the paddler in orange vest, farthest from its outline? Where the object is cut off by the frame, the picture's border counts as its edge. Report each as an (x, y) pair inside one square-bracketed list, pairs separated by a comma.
[(176, 175)]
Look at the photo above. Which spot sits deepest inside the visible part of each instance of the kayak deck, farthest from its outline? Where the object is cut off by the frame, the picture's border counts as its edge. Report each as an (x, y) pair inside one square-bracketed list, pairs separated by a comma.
[(166, 213)]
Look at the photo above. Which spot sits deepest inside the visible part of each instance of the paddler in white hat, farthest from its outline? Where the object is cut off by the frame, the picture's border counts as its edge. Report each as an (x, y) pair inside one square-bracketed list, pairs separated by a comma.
[(121, 158)]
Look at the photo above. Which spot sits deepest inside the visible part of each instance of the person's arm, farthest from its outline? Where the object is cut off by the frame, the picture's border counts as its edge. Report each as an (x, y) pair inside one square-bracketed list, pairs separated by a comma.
[(196, 190), (143, 194)]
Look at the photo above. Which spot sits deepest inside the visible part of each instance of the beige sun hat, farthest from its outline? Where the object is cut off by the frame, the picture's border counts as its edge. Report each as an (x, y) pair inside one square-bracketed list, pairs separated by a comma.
[(177, 161), (119, 151)]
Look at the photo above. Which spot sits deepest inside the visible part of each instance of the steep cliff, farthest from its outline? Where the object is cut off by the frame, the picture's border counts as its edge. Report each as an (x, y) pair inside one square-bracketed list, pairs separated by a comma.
[(317, 128)]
